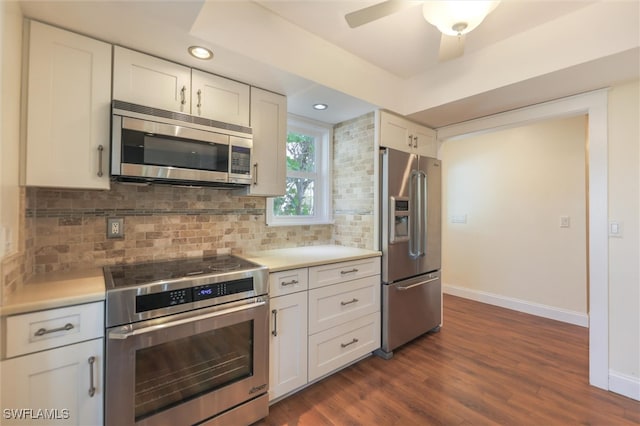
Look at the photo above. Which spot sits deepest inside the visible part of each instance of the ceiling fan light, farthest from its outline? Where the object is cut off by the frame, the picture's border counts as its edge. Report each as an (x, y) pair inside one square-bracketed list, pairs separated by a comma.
[(457, 17)]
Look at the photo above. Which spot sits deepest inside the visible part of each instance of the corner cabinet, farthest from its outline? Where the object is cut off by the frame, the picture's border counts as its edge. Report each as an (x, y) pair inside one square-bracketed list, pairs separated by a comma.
[(399, 133), (68, 98), (55, 373), (269, 124)]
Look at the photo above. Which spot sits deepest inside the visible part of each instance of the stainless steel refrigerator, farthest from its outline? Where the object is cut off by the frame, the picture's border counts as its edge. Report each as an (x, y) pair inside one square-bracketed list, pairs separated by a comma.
[(410, 235)]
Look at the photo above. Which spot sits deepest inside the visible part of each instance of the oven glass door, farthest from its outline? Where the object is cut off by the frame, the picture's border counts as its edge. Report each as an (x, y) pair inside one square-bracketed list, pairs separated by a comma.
[(173, 372), (187, 369)]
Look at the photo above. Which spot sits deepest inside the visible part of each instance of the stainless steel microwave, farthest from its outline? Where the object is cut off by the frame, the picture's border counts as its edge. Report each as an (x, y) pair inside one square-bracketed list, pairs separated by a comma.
[(153, 145)]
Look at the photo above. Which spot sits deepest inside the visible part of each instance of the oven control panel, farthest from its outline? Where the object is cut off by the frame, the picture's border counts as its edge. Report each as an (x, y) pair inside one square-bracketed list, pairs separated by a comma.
[(167, 299)]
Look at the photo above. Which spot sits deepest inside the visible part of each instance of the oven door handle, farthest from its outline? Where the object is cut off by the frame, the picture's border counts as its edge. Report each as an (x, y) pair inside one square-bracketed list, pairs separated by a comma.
[(126, 331)]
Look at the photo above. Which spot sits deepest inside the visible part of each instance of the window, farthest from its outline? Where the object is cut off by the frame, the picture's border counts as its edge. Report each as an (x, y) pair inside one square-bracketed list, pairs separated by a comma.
[(307, 199)]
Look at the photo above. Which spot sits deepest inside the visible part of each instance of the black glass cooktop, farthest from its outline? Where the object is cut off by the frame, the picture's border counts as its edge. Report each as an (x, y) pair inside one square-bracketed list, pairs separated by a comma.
[(144, 273)]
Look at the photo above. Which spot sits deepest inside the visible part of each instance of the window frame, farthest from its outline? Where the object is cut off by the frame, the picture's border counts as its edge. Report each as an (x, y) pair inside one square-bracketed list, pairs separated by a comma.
[(323, 134)]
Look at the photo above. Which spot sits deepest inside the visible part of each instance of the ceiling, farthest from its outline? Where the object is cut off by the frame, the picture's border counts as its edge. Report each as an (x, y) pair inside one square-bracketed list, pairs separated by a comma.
[(524, 52)]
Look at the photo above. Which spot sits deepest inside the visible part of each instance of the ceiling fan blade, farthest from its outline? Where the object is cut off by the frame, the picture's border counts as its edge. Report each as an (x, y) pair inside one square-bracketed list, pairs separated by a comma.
[(451, 47), (375, 12)]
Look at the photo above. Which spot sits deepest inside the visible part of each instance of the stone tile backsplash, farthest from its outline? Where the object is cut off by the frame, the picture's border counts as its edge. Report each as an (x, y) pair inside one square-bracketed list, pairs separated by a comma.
[(160, 222)]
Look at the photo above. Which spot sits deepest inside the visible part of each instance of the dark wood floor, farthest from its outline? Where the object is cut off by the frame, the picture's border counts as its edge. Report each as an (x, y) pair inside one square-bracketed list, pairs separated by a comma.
[(486, 366)]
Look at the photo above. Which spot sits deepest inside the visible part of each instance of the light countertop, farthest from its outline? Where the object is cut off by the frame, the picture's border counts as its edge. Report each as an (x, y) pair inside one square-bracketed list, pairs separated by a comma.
[(55, 290), (302, 257)]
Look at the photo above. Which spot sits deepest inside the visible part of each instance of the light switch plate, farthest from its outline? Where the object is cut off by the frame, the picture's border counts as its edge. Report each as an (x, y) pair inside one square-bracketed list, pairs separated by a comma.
[(115, 227), (565, 222), (615, 229)]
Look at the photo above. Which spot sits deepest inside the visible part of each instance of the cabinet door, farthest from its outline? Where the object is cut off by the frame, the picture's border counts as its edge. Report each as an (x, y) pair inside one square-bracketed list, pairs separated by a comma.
[(57, 380), (219, 98), (68, 110), (150, 81), (426, 141), (395, 132), (269, 124), (288, 344)]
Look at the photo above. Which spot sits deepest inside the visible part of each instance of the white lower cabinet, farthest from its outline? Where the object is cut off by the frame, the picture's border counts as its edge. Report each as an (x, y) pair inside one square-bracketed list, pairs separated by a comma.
[(323, 318), (56, 373), (54, 386), (288, 344)]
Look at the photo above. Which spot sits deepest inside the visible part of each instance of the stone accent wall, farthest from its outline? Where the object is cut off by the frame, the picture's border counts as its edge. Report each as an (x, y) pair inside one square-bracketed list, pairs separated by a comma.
[(160, 222), (353, 181)]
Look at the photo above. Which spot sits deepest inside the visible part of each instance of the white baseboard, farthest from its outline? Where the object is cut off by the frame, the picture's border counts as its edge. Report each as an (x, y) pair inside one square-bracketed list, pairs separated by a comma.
[(623, 384), (545, 311)]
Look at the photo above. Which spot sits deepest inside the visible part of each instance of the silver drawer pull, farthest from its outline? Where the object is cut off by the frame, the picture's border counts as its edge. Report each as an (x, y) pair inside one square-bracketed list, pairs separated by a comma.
[(292, 282), (344, 345), (354, 300), (92, 388), (350, 271), (42, 331)]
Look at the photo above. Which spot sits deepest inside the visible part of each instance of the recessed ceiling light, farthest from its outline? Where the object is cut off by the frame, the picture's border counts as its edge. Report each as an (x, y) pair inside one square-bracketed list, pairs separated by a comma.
[(320, 107), (200, 52)]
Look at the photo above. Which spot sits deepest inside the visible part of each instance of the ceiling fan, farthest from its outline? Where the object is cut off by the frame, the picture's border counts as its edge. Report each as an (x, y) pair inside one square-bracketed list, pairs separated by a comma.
[(454, 19)]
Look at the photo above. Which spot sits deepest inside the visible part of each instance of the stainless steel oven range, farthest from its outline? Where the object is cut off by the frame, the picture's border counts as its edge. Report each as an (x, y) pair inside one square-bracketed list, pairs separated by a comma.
[(186, 342)]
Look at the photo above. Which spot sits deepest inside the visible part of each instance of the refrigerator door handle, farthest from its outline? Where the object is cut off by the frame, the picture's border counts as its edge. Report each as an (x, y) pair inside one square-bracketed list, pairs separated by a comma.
[(414, 215), (405, 288), (423, 214)]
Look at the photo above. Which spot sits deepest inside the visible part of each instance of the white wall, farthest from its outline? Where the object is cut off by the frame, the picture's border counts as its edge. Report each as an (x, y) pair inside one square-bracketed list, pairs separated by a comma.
[(10, 76), (624, 252), (513, 186)]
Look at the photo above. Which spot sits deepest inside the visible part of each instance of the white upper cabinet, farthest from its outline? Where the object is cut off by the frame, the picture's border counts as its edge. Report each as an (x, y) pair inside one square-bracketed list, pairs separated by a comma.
[(146, 80), (399, 133), (149, 81), (269, 124), (68, 97), (219, 98)]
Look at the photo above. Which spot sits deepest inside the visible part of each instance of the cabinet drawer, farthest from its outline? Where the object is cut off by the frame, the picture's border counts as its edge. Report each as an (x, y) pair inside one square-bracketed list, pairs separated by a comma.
[(320, 276), (287, 282), (335, 304), (52, 328), (334, 348)]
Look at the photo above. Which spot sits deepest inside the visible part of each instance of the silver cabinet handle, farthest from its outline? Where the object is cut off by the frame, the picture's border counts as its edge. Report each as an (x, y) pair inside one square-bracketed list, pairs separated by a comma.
[(286, 283), (415, 141), (417, 284), (410, 140), (199, 104), (350, 271), (354, 300), (42, 331), (183, 98), (92, 388), (100, 149), (344, 345), (274, 312), (255, 174)]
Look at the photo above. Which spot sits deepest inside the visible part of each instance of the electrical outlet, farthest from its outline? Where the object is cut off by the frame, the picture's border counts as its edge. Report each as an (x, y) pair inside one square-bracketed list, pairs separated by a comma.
[(115, 227)]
